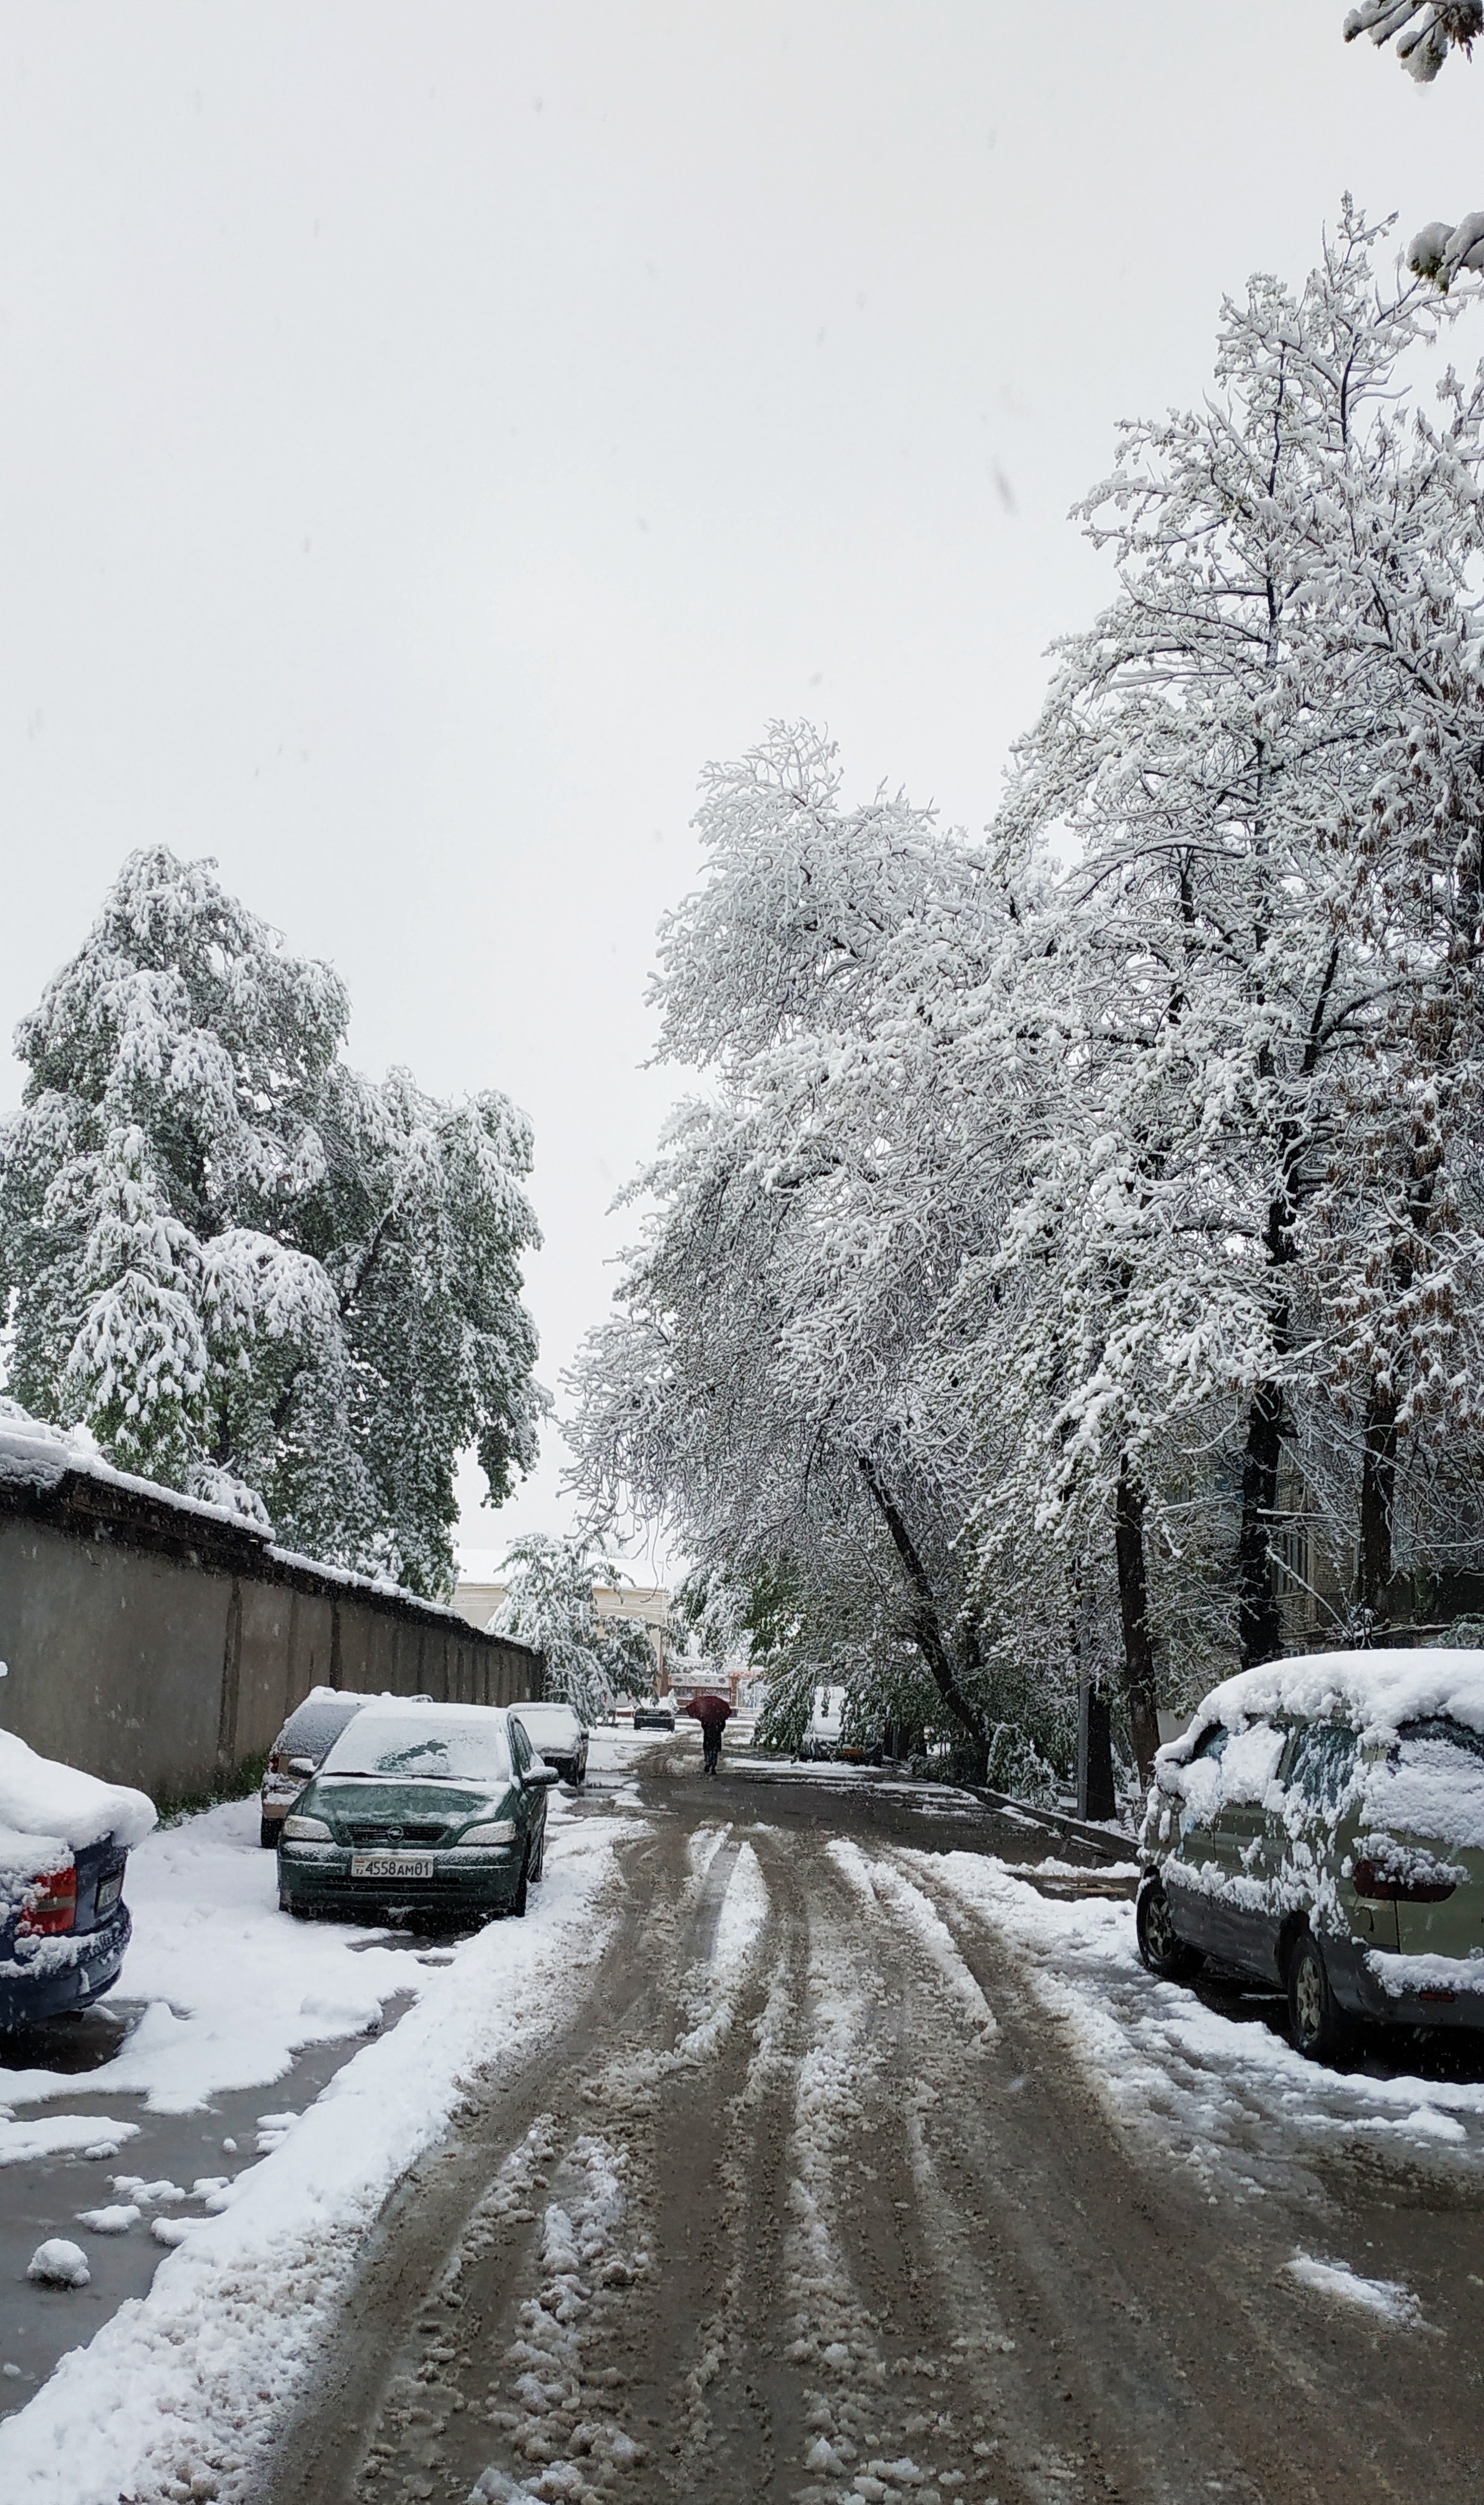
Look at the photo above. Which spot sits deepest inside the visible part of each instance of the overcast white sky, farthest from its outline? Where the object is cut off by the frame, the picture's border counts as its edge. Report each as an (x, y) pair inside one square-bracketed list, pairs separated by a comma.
[(430, 431)]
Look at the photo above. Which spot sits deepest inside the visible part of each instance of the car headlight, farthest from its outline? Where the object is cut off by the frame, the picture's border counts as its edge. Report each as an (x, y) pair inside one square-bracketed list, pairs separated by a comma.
[(306, 1830), (495, 1830)]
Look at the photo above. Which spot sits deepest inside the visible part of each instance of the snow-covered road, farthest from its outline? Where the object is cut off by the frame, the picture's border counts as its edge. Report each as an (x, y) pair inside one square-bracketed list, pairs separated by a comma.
[(838, 2194), (788, 2151)]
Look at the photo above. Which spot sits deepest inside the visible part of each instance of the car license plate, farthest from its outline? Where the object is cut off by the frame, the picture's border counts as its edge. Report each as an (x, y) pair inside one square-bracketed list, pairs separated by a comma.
[(110, 1890), (392, 1865)]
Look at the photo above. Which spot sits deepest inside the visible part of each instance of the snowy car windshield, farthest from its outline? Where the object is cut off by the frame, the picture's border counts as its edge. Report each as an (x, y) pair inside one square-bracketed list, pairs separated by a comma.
[(314, 1724), (547, 1721), (413, 1747)]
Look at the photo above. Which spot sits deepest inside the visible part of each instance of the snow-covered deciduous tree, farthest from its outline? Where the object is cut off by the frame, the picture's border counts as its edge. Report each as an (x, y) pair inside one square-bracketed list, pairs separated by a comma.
[(1046, 1202), (592, 1655), (252, 1273), (1259, 753), (1442, 252), (1425, 30), (769, 1379)]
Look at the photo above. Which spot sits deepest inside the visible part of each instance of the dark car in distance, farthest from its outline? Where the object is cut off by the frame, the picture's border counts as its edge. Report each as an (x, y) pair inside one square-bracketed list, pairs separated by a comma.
[(658, 1715)]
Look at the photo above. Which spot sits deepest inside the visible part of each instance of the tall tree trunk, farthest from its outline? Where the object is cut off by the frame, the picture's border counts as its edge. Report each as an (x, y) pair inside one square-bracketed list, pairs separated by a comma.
[(1097, 1792), (924, 1619), (1259, 1617), (1097, 1796), (1378, 1492), (1133, 1609)]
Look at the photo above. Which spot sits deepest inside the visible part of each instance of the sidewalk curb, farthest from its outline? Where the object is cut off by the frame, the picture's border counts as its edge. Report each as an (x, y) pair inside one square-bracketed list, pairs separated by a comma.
[(1112, 1847), (1096, 1838)]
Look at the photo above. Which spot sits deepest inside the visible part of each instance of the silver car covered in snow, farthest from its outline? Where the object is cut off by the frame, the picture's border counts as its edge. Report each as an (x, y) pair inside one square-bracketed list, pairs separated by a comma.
[(1320, 1826)]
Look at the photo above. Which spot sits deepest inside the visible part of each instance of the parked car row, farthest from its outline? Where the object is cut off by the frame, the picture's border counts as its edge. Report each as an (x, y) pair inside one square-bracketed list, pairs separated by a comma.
[(1320, 1827), (389, 1805), (554, 1729)]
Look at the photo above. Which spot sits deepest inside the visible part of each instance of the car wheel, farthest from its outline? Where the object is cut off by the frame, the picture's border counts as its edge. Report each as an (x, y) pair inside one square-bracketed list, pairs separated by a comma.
[(1161, 1946), (269, 1830), (1317, 2024), (518, 1900)]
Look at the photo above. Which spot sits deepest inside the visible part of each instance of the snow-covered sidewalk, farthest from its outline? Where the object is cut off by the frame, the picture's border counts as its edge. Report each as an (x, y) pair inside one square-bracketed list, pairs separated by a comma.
[(233, 1990), (1224, 2094)]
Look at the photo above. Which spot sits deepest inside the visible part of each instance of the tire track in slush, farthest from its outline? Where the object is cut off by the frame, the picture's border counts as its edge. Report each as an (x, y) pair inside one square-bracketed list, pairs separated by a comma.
[(908, 2392), (816, 2209), (1186, 2367), (573, 2382), (459, 2228)]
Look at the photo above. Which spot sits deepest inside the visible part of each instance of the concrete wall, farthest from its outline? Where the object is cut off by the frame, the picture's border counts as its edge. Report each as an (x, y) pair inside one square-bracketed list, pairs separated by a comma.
[(155, 1648)]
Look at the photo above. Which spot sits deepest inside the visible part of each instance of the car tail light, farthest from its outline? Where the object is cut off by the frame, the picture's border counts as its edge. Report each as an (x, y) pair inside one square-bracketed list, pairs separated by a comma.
[(1390, 1887), (53, 1903)]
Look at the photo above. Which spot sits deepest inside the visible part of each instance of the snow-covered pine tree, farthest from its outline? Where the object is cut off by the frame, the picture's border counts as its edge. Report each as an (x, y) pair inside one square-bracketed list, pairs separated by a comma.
[(252, 1273)]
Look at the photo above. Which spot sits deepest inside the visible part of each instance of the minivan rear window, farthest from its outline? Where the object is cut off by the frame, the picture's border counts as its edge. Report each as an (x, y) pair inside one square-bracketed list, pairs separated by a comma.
[(1438, 1726)]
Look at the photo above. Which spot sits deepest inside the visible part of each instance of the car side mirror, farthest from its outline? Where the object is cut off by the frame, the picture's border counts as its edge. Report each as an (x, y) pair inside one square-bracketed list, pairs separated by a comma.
[(304, 1766), (541, 1776)]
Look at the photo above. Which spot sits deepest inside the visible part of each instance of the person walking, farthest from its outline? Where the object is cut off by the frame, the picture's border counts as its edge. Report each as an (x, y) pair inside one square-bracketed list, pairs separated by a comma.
[(713, 1712)]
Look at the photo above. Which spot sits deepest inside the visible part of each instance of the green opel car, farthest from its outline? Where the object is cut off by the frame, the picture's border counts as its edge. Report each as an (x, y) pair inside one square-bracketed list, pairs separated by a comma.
[(1320, 1827), (418, 1812)]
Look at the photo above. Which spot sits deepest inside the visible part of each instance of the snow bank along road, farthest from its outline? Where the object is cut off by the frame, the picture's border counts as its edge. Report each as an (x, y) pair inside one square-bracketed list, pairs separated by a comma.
[(790, 2152)]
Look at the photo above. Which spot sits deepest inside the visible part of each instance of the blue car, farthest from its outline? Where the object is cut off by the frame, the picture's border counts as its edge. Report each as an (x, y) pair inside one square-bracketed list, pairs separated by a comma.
[(65, 1843)]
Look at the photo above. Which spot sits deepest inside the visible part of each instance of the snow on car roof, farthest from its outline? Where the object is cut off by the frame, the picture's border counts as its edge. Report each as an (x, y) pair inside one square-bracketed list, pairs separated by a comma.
[(1374, 1692), (380, 1708), (323, 1710), (51, 1809)]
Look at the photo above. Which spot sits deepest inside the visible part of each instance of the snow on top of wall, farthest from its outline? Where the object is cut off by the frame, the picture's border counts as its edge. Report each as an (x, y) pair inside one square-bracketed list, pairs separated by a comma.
[(34, 1455), (1373, 1692), (48, 1811), (39, 1456)]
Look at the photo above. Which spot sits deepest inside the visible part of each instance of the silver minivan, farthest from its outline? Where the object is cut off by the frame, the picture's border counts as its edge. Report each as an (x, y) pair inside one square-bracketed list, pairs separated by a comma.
[(301, 1745), (1320, 1827)]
